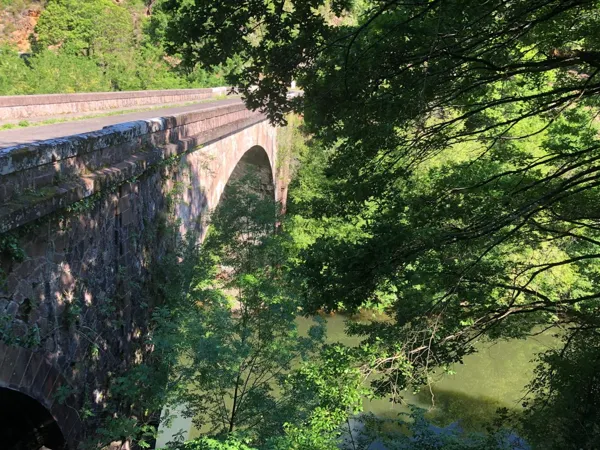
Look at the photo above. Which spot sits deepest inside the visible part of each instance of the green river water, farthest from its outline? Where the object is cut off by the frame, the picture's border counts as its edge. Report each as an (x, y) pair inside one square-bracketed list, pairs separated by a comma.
[(494, 377)]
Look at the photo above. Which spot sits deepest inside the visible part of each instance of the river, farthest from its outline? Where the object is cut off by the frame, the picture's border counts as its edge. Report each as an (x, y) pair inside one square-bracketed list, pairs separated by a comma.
[(493, 377)]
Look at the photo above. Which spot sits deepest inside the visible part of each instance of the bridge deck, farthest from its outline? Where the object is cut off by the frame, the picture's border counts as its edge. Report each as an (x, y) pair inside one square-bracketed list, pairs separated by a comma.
[(27, 135)]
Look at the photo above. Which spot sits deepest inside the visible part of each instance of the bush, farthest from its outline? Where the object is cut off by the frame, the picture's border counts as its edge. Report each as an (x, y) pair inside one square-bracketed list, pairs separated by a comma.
[(213, 444), (52, 72), (86, 28), (13, 72), (153, 72)]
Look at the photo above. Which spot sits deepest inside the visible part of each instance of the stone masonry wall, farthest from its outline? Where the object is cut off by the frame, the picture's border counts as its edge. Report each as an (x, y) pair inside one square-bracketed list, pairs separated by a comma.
[(70, 310), (18, 107)]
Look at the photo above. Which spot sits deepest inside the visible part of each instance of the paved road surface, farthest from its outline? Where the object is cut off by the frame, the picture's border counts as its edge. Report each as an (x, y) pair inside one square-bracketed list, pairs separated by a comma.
[(27, 135)]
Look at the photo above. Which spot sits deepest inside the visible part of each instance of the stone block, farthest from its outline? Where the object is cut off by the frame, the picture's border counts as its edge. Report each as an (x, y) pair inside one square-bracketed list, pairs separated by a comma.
[(43, 180), (40, 377), (3, 351), (51, 383), (10, 188), (8, 365), (127, 189), (37, 249), (20, 367), (124, 204), (4, 193), (50, 346), (127, 217), (61, 413), (71, 426), (30, 373), (19, 329), (60, 242), (12, 309)]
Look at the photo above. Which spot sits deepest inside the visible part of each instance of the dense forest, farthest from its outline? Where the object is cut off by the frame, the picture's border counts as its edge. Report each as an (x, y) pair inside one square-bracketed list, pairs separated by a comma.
[(68, 46), (445, 173)]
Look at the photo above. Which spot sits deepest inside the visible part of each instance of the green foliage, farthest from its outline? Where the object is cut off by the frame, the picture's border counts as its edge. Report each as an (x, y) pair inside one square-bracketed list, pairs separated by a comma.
[(127, 429), (95, 28), (99, 45), (49, 72), (225, 342), (455, 172), (231, 443), (62, 393), (452, 181), (242, 342), (564, 395), (13, 72), (332, 386), (11, 248)]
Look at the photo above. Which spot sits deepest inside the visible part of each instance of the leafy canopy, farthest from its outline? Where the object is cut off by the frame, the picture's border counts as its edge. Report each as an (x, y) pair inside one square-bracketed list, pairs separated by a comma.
[(459, 146)]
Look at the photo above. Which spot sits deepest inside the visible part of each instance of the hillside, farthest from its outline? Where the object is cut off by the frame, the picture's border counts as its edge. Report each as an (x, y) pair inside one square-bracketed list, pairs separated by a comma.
[(17, 22), (87, 46)]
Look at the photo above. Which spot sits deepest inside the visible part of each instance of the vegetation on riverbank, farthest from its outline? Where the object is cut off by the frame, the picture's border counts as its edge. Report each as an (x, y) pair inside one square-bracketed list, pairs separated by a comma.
[(458, 145)]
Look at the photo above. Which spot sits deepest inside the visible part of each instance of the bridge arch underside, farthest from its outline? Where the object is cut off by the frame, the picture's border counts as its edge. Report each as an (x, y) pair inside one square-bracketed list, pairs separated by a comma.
[(253, 168), (25, 424), (208, 171), (72, 292)]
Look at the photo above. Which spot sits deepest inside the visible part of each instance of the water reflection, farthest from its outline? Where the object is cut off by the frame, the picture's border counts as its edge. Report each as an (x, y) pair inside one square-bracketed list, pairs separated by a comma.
[(472, 412)]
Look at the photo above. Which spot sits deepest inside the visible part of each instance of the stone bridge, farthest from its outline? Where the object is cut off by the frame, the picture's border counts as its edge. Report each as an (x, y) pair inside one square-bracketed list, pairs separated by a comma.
[(80, 227)]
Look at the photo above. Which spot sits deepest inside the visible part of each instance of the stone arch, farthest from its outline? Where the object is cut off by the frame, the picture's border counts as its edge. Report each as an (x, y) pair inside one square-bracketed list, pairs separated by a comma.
[(256, 160), (26, 424), (28, 383), (206, 171)]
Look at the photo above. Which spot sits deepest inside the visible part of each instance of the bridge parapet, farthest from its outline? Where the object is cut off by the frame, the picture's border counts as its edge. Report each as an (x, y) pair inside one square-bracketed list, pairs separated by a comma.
[(39, 178), (18, 107)]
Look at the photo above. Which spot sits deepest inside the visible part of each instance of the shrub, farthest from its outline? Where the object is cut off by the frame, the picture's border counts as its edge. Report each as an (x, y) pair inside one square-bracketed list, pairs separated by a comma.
[(51, 72), (13, 72)]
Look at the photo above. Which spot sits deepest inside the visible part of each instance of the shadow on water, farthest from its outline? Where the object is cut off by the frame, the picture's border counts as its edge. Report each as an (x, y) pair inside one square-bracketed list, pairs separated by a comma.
[(470, 412), (470, 394), (473, 412)]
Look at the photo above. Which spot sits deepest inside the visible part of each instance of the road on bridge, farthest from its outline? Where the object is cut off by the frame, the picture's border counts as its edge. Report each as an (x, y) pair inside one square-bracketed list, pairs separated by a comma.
[(31, 134)]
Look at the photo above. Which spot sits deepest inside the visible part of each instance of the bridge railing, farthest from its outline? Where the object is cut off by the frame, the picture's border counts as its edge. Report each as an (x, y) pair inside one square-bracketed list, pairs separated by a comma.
[(21, 107)]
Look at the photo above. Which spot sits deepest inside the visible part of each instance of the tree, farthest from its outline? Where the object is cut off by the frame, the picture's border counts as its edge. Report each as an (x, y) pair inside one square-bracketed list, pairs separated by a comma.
[(96, 28), (564, 396), (461, 147), (245, 368)]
